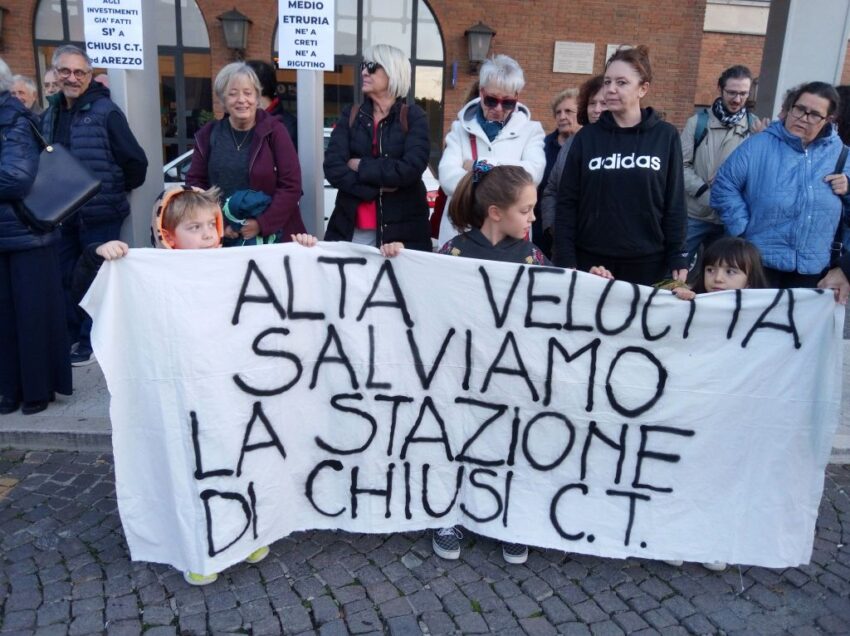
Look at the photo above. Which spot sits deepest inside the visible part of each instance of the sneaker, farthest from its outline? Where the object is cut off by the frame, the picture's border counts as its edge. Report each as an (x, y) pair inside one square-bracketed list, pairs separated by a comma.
[(31, 408), (258, 555), (715, 566), (446, 543), (515, 553), (82, 356), (193, 578), (676, 563)]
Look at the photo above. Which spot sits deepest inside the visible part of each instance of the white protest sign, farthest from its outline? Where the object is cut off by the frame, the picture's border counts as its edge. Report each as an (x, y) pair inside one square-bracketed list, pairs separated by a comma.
[(113, 30), (306, 34), (260, 391)]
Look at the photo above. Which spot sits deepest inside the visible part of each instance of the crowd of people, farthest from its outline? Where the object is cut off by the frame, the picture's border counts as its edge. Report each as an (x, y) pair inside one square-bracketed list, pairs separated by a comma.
[(731, 202)]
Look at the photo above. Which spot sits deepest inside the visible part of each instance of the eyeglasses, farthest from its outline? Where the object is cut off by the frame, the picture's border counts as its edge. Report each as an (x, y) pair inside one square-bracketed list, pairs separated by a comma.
[(734, 94), (78, 73), (810, 116), (369, 67), (492, 102)]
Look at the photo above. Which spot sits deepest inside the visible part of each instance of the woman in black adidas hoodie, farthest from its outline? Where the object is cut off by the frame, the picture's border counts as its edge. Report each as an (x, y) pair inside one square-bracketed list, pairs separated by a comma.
[(621, 201)]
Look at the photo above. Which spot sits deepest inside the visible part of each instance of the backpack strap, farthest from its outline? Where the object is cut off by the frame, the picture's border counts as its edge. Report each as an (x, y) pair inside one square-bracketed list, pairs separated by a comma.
[(701, 129), (837, 247), (352, 116)]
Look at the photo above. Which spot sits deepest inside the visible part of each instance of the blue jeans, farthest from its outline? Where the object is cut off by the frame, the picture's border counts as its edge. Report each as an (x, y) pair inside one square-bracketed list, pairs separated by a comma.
[(701, 233)]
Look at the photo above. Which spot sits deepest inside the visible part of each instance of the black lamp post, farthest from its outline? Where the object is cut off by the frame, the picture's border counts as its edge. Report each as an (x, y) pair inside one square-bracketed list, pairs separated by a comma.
[(478, 38), (235, 27)]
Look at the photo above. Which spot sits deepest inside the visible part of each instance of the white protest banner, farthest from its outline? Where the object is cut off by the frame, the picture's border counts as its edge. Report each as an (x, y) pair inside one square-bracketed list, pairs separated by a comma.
[(260, 391), (306, 34), (113, 30)]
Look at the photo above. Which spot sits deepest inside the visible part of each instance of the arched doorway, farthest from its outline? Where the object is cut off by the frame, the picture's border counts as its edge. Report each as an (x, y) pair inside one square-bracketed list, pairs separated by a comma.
[(409, 25), (183, 47)]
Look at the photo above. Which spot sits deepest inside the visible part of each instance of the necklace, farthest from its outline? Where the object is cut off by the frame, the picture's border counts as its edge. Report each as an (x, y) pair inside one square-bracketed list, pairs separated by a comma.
[(239, 144)]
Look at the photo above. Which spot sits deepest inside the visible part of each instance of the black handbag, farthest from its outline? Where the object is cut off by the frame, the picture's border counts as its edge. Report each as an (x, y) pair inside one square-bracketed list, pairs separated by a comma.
[(62, 186)]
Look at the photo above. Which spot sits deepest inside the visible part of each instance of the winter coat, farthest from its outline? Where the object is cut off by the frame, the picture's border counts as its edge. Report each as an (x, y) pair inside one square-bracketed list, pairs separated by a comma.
[(519, 143), (702, 164), (622, 194), (771, 191), (393, 179), (19, 152), (98, 127), (273, 169)]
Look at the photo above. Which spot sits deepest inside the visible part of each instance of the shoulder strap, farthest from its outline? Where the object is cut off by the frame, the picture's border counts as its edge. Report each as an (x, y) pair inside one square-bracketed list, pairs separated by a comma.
[(701, 129), (474, 145), (402, 117), (842, 159)]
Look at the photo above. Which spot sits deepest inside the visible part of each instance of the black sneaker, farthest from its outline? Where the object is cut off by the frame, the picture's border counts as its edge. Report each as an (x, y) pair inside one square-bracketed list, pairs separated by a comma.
[(515, 553), (446, 543), (82, 356)]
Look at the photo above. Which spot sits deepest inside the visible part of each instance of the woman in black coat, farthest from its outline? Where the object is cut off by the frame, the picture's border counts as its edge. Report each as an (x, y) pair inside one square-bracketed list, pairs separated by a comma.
[(376, 158), (35, 360)]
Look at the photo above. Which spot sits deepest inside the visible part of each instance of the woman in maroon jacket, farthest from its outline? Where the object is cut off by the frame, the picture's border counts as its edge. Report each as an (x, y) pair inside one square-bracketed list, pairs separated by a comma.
[(248, 149)]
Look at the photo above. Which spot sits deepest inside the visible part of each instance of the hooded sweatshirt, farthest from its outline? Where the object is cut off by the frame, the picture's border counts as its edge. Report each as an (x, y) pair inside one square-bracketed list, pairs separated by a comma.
[(622, 193)]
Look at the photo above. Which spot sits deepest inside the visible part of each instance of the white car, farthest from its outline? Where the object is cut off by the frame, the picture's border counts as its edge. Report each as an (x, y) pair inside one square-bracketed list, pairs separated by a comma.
[(174, 173)]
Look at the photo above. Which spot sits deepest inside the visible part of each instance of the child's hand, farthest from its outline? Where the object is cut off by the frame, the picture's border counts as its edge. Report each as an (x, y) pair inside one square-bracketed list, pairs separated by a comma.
[(392, 249), (112, 250), (250, 230), (599, 270), (684, 293), (307, 240)]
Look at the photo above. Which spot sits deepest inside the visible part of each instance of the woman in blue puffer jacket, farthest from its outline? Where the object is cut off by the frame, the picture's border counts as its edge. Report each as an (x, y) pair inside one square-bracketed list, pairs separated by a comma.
[(780, 189), (35, 358)]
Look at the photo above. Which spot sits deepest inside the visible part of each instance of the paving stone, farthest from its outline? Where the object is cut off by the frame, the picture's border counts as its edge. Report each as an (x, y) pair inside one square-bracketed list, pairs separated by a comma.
[(403, 626), (324, 610), (257, 610), (537, 626), (606, 628), (425, 600), (523, 606), (334, 628), (267, 626), (294, 619), (121, 608), (438, 622), (363, 622), (574, 629), (227, 620), (87, 623), (471, 623), (556, 610), (589, 612), (395, 607), (20, 619), (124, 628), (158, 615), (50, 613)]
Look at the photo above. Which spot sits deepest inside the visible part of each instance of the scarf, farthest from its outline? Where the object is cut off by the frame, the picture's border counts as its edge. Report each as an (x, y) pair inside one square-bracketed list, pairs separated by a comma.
[(726, 118), (490, 128)]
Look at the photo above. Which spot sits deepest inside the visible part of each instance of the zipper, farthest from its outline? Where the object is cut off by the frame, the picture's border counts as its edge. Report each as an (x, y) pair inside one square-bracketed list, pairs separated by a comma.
[(379, 239)]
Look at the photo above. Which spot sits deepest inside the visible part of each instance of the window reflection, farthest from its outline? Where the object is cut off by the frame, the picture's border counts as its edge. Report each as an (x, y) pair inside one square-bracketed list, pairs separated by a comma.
[(429, 44)]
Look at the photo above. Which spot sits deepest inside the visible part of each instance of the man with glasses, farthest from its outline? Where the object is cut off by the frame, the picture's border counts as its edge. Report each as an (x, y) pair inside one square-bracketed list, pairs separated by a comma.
[(84, 119), (709, 137), (786, 189)]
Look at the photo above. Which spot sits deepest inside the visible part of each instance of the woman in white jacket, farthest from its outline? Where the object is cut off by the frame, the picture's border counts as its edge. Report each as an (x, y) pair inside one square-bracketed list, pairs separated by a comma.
[(499, 127)]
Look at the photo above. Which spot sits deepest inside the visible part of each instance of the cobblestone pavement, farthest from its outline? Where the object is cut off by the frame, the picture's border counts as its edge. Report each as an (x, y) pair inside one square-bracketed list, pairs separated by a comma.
[(65, 569)]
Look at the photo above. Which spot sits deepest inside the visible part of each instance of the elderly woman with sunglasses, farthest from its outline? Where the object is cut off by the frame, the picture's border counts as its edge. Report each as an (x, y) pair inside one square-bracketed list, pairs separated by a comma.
[(495, 126), (784, 191), (376, 156)]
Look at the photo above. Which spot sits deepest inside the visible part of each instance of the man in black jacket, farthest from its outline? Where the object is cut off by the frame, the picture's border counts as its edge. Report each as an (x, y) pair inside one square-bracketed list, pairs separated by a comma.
[(84, 119)]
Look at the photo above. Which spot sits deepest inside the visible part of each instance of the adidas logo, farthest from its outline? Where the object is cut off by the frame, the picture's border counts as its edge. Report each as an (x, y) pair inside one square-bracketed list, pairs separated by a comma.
[(618, 161)]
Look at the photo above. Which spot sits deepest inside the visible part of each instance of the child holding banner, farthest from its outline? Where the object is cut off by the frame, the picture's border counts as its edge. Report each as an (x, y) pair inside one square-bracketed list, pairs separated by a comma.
[(729, 263), (496, 204), (184, 218)]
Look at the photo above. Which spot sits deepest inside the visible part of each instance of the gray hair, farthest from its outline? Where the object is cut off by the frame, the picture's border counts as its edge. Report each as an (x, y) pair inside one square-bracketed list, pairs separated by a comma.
[(5, 76), (26, 81), (229, 73), (503, 72), (396, 66), (69, 49), (567, 93)]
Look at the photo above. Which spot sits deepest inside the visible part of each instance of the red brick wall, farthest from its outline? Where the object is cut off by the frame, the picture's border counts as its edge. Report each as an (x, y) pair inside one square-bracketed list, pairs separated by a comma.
[(719, 52), (18, 32), (527, 31)]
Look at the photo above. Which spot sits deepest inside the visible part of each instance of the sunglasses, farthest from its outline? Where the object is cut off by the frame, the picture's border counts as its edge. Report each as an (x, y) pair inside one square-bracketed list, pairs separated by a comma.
[(369, 67), (492, 102)]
